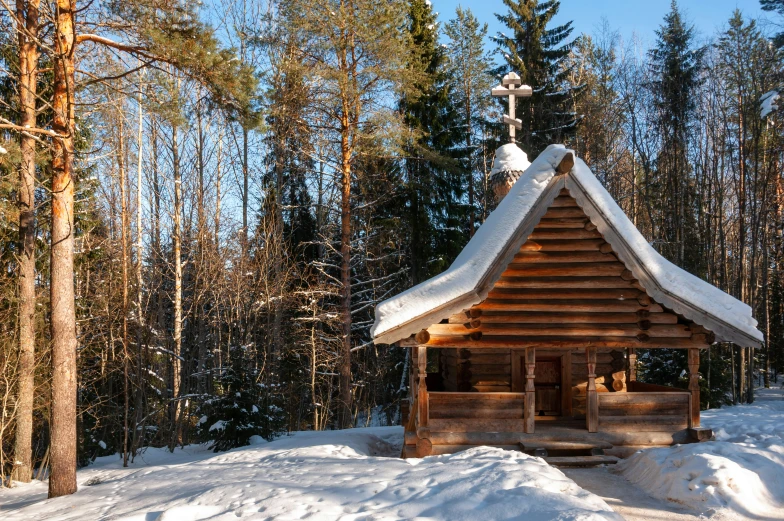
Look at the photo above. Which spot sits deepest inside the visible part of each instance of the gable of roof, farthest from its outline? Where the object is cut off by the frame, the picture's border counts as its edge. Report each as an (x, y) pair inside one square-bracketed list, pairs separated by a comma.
[(493, 246)]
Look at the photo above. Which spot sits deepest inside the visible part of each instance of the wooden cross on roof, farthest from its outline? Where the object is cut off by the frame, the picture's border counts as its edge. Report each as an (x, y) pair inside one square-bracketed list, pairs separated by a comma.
[(512, 86)]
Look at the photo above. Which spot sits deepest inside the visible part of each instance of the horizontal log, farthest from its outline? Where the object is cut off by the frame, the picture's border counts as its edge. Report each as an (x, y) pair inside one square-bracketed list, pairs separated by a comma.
[(557, 294), (545, 434), (643, 427), (564, 282), (491, 388), (570, 306), (630, 330), (564, 445), (576, 318), (562, 245), (467, 353), (560, 212), (631, 398), (649, 419), (564, 234), (441, 409), (657, 418), (477, 369), (486, 398), (481, 358), (493, 342), (643, 409), (605, 269), (477, 414), (473, 425), (563, 201), (560, 223), (491, 380), (552, 257)]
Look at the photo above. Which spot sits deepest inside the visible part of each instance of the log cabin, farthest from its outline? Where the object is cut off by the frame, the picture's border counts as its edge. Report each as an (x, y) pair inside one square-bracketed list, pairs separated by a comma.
[(529, 340)]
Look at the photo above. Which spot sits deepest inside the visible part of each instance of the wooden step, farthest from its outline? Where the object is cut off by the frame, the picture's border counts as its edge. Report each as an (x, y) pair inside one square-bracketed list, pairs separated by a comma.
[(581, 461), (565, 445)]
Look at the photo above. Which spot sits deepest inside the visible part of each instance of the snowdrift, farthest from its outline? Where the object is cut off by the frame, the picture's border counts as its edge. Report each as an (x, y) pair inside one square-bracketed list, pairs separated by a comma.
[(741, 475), (339, 475)]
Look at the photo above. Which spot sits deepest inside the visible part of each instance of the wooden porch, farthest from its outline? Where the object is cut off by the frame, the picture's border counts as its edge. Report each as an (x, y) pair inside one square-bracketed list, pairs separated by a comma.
[(615, 423)]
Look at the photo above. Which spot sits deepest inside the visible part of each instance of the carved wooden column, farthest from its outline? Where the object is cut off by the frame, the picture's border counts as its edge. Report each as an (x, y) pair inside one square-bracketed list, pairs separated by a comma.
[(632, 364), (529, 411), (592, 400), (424, 446), (694, 387)]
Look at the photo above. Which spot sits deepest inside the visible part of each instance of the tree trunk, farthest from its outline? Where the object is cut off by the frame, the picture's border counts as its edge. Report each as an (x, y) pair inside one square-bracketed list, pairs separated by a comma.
[(345, 279), (62, 480), (137, 434), (177, 254), (124, 265), (27, 17)]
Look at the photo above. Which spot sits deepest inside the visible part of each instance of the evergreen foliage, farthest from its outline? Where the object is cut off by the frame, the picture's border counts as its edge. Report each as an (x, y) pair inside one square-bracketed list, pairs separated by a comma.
[(776, 6), (538, 53), (675, 66), (469, 71), (243, 406), (434, 181)]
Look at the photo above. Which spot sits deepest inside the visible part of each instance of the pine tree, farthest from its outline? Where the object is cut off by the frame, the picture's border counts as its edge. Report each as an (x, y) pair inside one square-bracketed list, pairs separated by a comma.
[(538, 54)]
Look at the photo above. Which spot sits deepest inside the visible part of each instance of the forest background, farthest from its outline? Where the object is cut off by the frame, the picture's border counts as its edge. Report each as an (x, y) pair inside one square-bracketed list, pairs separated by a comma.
[(236, 186)]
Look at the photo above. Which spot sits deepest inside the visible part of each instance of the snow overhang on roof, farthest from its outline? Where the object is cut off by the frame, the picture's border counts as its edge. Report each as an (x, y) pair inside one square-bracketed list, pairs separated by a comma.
[(480, 264)]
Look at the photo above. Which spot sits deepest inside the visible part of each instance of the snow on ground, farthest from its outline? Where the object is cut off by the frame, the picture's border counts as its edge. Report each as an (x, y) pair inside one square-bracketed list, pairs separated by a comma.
[(336, 475), (739, 476)]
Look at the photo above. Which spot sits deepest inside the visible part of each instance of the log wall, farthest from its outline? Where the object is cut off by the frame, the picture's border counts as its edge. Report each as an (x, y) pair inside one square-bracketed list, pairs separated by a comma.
[(564, 289), (644, 411), (477, 370)]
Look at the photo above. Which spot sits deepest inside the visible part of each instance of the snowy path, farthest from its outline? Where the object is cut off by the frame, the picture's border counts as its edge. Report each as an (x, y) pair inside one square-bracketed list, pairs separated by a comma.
[(626, 499)]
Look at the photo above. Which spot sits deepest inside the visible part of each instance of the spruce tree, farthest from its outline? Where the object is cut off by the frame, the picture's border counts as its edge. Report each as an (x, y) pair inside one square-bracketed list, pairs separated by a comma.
[(776, 6), (675, 66), (675, 69), (538, 54), (434, 181), (469, 68)]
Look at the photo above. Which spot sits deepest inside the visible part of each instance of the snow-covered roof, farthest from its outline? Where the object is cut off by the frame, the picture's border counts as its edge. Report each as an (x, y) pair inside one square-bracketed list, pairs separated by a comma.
[(480, 264)]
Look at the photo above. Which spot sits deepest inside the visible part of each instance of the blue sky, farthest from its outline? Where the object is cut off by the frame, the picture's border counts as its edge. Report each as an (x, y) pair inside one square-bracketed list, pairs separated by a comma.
[(626, 16)]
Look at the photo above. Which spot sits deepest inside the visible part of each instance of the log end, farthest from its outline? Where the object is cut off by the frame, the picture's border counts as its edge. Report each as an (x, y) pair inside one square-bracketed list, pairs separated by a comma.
[(566, 164)]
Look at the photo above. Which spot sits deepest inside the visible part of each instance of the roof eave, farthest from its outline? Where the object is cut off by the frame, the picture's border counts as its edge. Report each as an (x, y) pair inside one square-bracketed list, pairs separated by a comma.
[(724, 331)]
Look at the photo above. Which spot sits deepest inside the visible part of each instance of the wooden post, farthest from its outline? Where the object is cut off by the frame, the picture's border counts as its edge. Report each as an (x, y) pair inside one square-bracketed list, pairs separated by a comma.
[(632, 364), (529, 412), (694, 387), (424, 445), (592, 400)]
